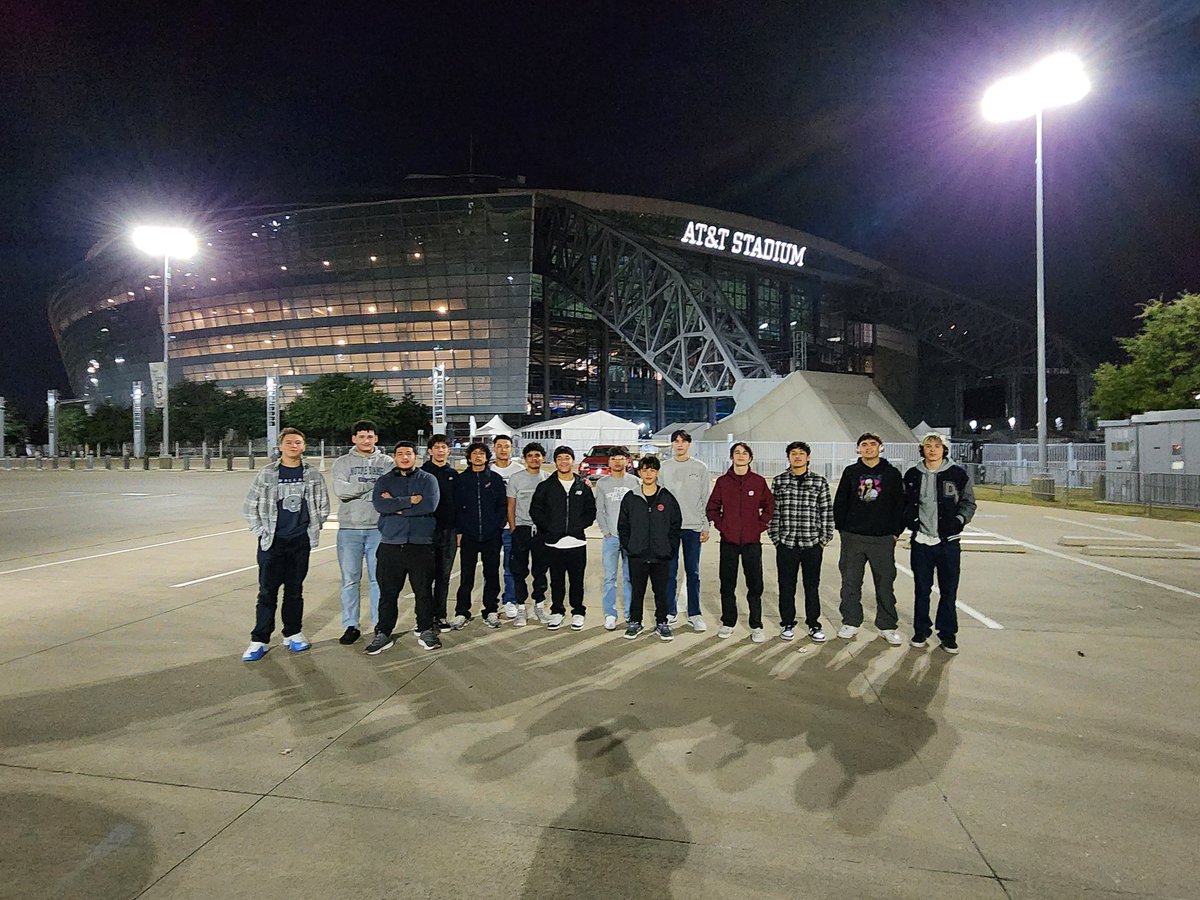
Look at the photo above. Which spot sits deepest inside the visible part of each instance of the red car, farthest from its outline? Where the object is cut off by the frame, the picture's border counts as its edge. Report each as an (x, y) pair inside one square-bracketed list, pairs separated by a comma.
[(595, 464)]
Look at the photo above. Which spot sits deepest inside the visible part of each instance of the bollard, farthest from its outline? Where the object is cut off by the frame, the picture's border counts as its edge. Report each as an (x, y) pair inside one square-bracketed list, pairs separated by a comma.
[(108, 462), (207, 461), (187, 463), (91, 462), (250, 460), (229, 463), (146, 463), (125, 461), (71, 462)]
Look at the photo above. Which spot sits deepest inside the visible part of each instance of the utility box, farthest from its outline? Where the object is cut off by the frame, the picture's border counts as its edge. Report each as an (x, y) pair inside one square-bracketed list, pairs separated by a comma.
[(1042, 487)]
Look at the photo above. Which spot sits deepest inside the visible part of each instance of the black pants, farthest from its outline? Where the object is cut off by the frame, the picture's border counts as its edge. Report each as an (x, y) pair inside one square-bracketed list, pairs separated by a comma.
[(285, 564), (808, 561), (526, 548), (445, 548), (394, 563), (946, 560), (471, 550), (563, 564), (751, 558), (657, 572)]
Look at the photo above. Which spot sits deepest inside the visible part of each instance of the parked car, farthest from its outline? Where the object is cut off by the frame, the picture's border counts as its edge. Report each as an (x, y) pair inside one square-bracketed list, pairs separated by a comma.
[(595, 463)]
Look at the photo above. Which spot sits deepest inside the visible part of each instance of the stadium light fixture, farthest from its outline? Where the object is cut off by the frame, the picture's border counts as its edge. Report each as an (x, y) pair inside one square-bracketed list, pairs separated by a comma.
[(1057, 80), (169, 243)]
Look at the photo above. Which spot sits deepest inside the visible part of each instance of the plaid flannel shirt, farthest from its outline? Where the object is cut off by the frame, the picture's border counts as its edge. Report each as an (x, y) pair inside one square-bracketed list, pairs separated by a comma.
[(803, 510)]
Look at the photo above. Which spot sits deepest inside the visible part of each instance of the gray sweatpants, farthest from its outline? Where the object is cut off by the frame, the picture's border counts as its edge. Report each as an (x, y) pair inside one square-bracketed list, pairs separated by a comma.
[(880, 552)]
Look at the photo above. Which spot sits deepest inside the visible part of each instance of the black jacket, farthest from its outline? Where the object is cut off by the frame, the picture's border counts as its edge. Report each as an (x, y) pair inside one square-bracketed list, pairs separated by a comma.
[(557, 513), (649, 527), (870, 500), (955, 500), (446, 476), (480, 504)]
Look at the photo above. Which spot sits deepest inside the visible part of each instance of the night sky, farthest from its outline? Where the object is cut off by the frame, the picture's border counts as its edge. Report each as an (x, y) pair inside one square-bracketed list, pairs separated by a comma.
[(855, 121)]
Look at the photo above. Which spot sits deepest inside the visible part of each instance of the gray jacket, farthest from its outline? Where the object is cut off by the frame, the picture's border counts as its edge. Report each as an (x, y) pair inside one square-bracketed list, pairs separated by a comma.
[(354, 477), (261, 511), (609, 491), (691, 483)]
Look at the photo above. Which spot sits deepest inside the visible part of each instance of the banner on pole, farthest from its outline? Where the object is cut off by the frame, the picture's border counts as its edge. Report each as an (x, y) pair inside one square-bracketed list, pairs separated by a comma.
[(158, 383)]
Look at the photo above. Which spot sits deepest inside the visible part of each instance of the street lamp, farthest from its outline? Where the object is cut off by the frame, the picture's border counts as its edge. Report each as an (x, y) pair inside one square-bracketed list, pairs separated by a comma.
[(166, 242), (1057, 80)]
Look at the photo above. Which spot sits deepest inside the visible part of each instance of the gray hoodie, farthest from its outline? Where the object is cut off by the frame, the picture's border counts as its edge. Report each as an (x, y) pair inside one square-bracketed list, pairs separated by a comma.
[(691, 484), (354, 477)]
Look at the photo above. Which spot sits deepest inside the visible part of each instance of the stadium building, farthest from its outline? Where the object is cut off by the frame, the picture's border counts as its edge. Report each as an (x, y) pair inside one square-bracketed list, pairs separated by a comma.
[(538, 303)]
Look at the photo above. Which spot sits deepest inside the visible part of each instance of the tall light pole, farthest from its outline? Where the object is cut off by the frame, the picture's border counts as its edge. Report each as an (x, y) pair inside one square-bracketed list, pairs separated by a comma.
[(167, 242), (1057, 80)]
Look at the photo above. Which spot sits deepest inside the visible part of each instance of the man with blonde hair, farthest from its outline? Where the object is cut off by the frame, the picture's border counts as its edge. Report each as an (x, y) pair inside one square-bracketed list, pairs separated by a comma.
[(939, 502)]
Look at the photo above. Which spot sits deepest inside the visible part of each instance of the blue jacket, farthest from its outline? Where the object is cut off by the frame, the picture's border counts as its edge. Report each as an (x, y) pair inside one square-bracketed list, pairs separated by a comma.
[(400, 521), (480, 504)]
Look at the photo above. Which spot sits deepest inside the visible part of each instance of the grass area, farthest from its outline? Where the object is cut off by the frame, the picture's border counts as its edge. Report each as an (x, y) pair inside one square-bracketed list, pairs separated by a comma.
[(1080, 500)]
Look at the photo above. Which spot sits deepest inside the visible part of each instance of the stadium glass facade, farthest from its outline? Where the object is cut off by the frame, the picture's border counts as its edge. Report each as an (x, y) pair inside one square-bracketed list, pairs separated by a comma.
[(387, 290)]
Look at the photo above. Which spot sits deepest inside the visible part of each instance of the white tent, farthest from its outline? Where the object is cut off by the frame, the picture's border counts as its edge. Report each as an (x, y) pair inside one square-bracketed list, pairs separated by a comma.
[(494, 426), (581, 432)]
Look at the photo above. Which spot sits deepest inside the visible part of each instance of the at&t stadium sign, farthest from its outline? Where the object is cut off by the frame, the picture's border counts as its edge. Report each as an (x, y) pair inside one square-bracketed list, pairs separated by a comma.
[(743, 243)]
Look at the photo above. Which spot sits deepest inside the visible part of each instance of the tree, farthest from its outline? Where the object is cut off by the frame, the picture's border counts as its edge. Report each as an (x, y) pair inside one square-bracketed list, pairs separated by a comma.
[(333, 403), (73, 425), (198, 412), (1163, 371), (408, 417), (15, 426), (110, 426)]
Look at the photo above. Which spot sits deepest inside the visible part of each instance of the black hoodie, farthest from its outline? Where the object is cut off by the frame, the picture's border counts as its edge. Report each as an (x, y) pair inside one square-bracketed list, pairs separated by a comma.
[(649, 526), (870, 500)]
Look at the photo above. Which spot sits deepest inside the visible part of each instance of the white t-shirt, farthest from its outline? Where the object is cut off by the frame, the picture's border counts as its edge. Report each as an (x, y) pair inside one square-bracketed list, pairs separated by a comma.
[(512, 468)]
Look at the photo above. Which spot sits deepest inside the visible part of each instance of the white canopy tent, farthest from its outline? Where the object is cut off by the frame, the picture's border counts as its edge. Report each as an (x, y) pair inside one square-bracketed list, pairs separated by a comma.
[(581, 432), (494, 426)]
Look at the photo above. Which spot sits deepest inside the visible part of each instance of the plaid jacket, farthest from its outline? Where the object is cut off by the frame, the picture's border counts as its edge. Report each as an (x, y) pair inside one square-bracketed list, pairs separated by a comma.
[(803, 510), (260, 510)]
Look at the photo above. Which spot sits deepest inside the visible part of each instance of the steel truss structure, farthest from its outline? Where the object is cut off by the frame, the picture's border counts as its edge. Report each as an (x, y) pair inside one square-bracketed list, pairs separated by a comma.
[(673, 315)]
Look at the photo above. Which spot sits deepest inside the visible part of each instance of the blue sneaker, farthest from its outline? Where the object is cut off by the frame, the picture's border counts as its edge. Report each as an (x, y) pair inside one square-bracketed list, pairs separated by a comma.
[(256, 651), (297, 643)]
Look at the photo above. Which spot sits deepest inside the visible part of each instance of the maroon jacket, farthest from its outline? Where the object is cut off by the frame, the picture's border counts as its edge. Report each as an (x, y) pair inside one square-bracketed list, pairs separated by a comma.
[(741, 507)]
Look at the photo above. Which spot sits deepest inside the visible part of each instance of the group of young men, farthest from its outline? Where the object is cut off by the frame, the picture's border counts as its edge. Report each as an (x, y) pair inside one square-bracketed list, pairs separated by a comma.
[(526, 524)]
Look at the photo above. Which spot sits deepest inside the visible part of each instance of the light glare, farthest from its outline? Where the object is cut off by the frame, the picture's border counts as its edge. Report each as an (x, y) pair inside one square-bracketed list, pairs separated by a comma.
[(1057, 80), (156, 240)]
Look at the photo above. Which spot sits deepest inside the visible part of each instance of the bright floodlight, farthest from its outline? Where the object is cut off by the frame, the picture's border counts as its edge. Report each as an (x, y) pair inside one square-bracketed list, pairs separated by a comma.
[(1055, 81), (177, 243)]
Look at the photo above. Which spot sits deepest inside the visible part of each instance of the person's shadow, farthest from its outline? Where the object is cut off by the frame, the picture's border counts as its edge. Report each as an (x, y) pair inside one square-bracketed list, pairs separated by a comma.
[(575, 858), (863, 760)]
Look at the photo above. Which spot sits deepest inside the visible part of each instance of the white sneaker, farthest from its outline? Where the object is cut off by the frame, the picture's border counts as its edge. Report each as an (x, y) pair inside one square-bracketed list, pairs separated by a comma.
[(491, 620), (459, 622), (757, 636), (510, 610), (724, 631), (892, 637), (610, 623), (673, 620), (577, 623), (697, 623), (555, 620), (540, 612), (846, 632), (520, 620)]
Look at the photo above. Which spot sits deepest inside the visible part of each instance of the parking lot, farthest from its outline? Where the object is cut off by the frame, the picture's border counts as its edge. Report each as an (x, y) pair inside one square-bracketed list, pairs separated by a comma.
[(1056, 756)]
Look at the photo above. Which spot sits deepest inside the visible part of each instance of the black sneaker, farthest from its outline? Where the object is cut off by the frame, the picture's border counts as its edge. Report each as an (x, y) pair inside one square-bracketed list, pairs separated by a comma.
[(949, 644), (351, 636), (442, 625), (429, 640), (379, 643)]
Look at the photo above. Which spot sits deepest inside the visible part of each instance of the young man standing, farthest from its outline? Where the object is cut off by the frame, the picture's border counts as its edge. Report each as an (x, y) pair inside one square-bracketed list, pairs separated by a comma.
[(940, 501), (610, 489), (868, 512), (285, 508), (800, 530), (506, 467), (407, 500), (481, 512), (740, 508), (445, 535), (648, 527), (527, 544), (690, 483), (354, 477), (562, 507)]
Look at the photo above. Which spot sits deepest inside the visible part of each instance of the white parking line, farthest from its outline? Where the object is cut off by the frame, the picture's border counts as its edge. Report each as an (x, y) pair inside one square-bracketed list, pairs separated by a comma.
[(1110, 530), (23, 509), (184, 584), (63, 562), (1094, 565), (970, 611)]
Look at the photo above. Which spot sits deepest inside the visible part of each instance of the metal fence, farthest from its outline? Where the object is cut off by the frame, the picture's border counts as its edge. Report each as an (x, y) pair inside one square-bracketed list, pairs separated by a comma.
[(1093, 482)]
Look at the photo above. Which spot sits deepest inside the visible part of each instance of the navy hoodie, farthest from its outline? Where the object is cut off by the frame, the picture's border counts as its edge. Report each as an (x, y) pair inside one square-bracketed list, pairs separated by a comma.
[(480, 504)]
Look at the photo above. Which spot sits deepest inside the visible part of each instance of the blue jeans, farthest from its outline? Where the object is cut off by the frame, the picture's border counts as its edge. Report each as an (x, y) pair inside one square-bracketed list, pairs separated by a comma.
[(353, 546), (612, 553), (510, 590), (689, 544)]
